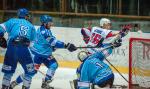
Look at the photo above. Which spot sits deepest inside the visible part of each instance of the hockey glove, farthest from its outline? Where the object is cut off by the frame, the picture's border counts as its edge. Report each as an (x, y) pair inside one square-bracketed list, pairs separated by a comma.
[(3, 42), (53, 48), (125, 30), (70, 47), (117, 43)]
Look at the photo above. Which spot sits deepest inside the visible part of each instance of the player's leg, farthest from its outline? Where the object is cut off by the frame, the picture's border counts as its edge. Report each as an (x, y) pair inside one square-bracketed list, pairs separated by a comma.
[(19, 79), (52, 65), (83, 81), (9, 66), (27, 63), (104, 77), (107, 84), (16, 82)]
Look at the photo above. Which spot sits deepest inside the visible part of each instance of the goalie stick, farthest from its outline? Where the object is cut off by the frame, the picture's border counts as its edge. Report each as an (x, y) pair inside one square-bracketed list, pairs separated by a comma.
[(117, 71)]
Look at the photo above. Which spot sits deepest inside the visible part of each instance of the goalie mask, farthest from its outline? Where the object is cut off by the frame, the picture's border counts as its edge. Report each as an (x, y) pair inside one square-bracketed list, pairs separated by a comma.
[(82, 55)]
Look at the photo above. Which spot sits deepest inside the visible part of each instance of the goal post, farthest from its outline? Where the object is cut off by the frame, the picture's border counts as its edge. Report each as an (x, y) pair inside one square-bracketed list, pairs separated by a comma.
[(139, 63)]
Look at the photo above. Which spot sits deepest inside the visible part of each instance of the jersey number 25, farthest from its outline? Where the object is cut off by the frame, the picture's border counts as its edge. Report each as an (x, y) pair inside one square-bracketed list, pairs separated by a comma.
[(95, 38)]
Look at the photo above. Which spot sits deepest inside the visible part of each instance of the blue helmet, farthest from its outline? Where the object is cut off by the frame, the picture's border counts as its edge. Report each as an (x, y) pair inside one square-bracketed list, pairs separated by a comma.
[(45, 19), (22, 13)]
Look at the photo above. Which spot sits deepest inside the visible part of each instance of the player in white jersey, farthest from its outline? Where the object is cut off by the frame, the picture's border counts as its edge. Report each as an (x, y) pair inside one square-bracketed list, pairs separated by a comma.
[(94, 37)]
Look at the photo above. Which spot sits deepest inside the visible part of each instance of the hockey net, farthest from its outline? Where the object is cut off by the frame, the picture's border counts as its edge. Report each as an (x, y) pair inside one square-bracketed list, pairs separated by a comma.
[(139, 63)]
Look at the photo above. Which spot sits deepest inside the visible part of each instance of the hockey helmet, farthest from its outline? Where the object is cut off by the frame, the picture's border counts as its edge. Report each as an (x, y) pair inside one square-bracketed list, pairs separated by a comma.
[(45, 19), (22, 13), (104, 21)]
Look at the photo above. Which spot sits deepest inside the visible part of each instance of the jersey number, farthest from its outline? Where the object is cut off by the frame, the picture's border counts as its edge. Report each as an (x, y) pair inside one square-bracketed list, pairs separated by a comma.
[(95, 38), (23, 30)]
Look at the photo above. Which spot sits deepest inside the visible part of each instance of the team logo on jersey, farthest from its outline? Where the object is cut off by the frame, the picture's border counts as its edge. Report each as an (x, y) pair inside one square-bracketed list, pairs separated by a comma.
[(30, 67)]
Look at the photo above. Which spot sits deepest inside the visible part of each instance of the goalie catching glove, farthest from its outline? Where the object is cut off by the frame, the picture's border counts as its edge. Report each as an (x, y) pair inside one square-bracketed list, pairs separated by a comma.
[(3, 42), (70, 47)]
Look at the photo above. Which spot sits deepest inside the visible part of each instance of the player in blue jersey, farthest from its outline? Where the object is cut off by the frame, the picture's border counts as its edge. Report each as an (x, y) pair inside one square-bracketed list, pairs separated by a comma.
[(42, 50), (20, 33), (93, 71)]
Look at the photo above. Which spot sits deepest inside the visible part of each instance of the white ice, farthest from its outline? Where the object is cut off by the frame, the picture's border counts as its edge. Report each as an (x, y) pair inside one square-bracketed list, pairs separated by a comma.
[(62, 78)]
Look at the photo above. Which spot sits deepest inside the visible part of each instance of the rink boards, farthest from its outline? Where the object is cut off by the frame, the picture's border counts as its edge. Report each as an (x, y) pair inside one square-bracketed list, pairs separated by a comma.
[(119, 57)]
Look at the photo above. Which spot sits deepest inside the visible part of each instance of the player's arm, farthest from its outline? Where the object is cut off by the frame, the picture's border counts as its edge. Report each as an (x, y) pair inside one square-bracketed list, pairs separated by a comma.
[(2, 30), (59, 44), (123, 32), (110, 34), (3, 42), (108, 47), (86, 34), (33, 36)]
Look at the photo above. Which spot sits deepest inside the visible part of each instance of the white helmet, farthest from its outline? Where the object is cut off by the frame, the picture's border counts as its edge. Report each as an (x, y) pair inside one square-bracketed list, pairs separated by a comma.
[(104, 21)]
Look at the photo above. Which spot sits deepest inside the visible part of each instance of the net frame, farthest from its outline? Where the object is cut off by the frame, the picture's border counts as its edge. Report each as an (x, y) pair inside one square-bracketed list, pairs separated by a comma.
[(131, 59)]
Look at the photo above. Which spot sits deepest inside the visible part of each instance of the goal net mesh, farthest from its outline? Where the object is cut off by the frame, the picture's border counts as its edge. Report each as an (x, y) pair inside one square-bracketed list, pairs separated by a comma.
[(139, 63)]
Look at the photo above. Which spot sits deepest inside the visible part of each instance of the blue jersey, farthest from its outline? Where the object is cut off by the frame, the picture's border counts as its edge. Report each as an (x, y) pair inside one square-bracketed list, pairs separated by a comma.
[(20, 32), (94, 70), (45, 41), (18, 28)]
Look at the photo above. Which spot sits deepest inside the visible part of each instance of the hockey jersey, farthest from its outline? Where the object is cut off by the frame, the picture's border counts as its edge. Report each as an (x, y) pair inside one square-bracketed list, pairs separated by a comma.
[(18, 28), (45, 41)]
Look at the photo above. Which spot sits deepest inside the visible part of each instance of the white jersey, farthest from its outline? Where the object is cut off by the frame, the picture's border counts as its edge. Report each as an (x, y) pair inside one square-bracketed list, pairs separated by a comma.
[(97, 34)]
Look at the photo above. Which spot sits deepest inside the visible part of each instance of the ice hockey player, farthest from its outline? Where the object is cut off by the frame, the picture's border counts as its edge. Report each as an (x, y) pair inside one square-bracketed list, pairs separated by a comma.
[(42, 50), (95, 36), (20, 34), (93, 71), (100, 34)]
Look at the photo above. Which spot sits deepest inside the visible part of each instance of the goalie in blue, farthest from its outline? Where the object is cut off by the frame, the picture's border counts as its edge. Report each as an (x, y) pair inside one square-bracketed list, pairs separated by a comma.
[(20, 34), (93, 71), (43, 46)]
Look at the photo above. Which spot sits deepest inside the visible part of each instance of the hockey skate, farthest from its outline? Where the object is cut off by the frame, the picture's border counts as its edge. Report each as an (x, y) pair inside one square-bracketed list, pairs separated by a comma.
[(45, 84), (4, 87), (24, 87), (13, 84)]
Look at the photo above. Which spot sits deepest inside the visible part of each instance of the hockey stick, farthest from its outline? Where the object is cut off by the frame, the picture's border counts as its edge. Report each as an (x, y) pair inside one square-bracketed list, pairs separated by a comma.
[(94, 47), (45, 75), (117, 71), (42, 73), (84, 47)]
